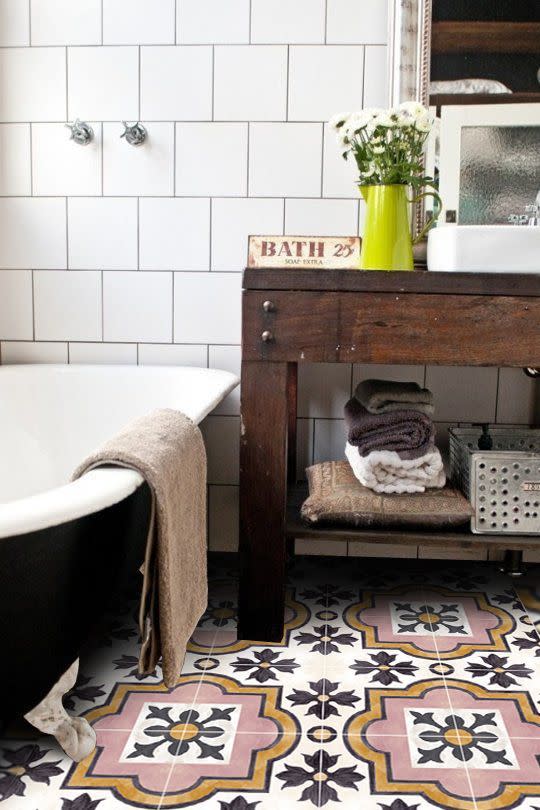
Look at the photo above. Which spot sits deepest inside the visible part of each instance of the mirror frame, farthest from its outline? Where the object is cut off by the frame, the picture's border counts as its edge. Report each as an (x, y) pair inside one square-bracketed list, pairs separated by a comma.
[(409, 50), (409, 61)]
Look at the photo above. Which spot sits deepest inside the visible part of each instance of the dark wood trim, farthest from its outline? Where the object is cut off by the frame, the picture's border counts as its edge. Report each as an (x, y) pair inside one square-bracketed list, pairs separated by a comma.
[(292, 405), (485, 36), (395, 282), (445, 99)]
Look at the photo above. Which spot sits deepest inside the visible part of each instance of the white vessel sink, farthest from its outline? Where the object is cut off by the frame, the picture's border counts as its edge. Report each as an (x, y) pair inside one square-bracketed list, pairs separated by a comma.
[(484, 248)]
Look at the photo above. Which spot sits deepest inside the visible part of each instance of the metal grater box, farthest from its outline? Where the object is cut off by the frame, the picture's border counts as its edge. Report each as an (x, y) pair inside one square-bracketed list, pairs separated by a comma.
[(502, 484)]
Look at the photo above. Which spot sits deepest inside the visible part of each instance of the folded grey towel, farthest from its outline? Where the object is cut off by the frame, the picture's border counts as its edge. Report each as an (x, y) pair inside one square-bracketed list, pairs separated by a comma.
[(384, 396), (409, 433)]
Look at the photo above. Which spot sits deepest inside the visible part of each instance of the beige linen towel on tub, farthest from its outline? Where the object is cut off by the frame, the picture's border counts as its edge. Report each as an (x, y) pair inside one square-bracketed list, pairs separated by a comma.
[(167, 449)]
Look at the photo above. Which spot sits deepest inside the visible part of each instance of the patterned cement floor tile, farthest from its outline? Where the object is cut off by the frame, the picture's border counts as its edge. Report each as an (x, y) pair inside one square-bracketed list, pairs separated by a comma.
[(411, 689)]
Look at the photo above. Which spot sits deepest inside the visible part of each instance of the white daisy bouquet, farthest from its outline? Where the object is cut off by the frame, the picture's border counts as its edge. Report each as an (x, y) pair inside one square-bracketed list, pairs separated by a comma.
[(387, 145)]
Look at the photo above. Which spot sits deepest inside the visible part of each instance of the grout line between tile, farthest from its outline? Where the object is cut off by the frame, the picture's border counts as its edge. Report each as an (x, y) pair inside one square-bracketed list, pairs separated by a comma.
[(447, 691), (138, 234), (172, 304), (210, 234), (33, 309), (31, 144), (67, 82), (139, 81), (213, 88), (193, 702), (102, 307)]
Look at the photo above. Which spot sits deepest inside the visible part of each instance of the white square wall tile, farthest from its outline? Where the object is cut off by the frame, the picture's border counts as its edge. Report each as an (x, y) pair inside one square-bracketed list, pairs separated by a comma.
[(33, 84), (323, 389), (211, 159), (145, 170), (103, 83), (15, 160), (42, 352), (167, 354), (103, 353), (338, 85), (102, 233), (517, 397), (227, 358), (250, 83), (325, 548), (64, 22), (16, 317), (137, 307), (285, 160), (329, 440), (67, 305), (349, 21), (32, 233), (174, 233), (321, 217), (223, 518), (375, 371), (382, 550), (463, 394), (222, 439), (444, 553), (207, 21), (62, 167), (339, 176), (14, 23), (233, 221), (376, 83), (288, 21), (176, 83), (135, 22), (207, 307), (304, 446)]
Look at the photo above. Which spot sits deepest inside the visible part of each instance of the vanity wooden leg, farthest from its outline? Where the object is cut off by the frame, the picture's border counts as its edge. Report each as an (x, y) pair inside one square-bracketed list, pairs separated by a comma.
[(263, 495), (292, 403)]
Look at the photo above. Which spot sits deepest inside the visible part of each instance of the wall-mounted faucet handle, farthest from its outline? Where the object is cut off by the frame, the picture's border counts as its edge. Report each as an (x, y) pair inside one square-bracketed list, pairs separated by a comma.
[(135, 134), (81, 132)]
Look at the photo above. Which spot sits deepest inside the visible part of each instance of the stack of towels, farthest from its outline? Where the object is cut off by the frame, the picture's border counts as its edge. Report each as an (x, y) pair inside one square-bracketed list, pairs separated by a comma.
[(391, 437)]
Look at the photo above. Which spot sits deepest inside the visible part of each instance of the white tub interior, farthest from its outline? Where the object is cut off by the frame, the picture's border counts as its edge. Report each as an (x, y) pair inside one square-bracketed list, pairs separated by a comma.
[(52, 416)]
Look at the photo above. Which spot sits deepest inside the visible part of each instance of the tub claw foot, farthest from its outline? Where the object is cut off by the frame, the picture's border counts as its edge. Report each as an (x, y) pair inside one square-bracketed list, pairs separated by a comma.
[(74, 734)]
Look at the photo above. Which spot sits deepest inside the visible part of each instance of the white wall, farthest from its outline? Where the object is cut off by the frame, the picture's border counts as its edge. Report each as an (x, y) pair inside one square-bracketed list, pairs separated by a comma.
[(115, 254)]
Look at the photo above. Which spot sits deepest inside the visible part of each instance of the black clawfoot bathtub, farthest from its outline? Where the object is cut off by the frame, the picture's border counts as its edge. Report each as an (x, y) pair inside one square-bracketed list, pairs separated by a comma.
[(67, 548)]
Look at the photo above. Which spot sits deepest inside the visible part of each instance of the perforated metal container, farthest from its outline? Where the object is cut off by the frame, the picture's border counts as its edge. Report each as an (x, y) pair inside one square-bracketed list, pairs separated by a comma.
[(502, 484)]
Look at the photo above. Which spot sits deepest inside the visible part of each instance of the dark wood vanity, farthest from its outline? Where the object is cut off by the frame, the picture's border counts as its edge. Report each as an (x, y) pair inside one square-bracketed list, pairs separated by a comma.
[(337, 316)]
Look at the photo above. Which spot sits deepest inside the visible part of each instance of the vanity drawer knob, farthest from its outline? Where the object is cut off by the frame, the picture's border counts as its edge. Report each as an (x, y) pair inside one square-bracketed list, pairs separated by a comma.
[(267, 336), (269, 306)]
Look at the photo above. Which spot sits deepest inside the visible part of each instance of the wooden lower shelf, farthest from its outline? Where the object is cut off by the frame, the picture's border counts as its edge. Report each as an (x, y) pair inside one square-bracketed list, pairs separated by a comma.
[(463, 538)]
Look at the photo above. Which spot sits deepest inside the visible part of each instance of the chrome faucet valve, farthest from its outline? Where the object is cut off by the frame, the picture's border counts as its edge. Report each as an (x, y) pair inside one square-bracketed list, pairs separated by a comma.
[(81, 132), (135, 134)]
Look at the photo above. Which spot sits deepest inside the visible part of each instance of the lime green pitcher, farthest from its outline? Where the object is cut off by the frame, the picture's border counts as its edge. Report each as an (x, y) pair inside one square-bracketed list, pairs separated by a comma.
[(387, 243)]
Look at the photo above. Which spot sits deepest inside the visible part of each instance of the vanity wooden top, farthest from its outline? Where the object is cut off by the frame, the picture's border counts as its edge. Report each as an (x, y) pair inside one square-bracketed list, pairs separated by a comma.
[(417, 281)]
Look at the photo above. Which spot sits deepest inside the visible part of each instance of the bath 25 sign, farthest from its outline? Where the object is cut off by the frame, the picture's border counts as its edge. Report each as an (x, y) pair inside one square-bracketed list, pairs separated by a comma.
[(325, 252)]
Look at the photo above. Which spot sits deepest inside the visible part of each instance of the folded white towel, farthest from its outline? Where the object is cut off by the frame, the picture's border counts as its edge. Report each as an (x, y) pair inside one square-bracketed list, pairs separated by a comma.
[(385, 471)]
